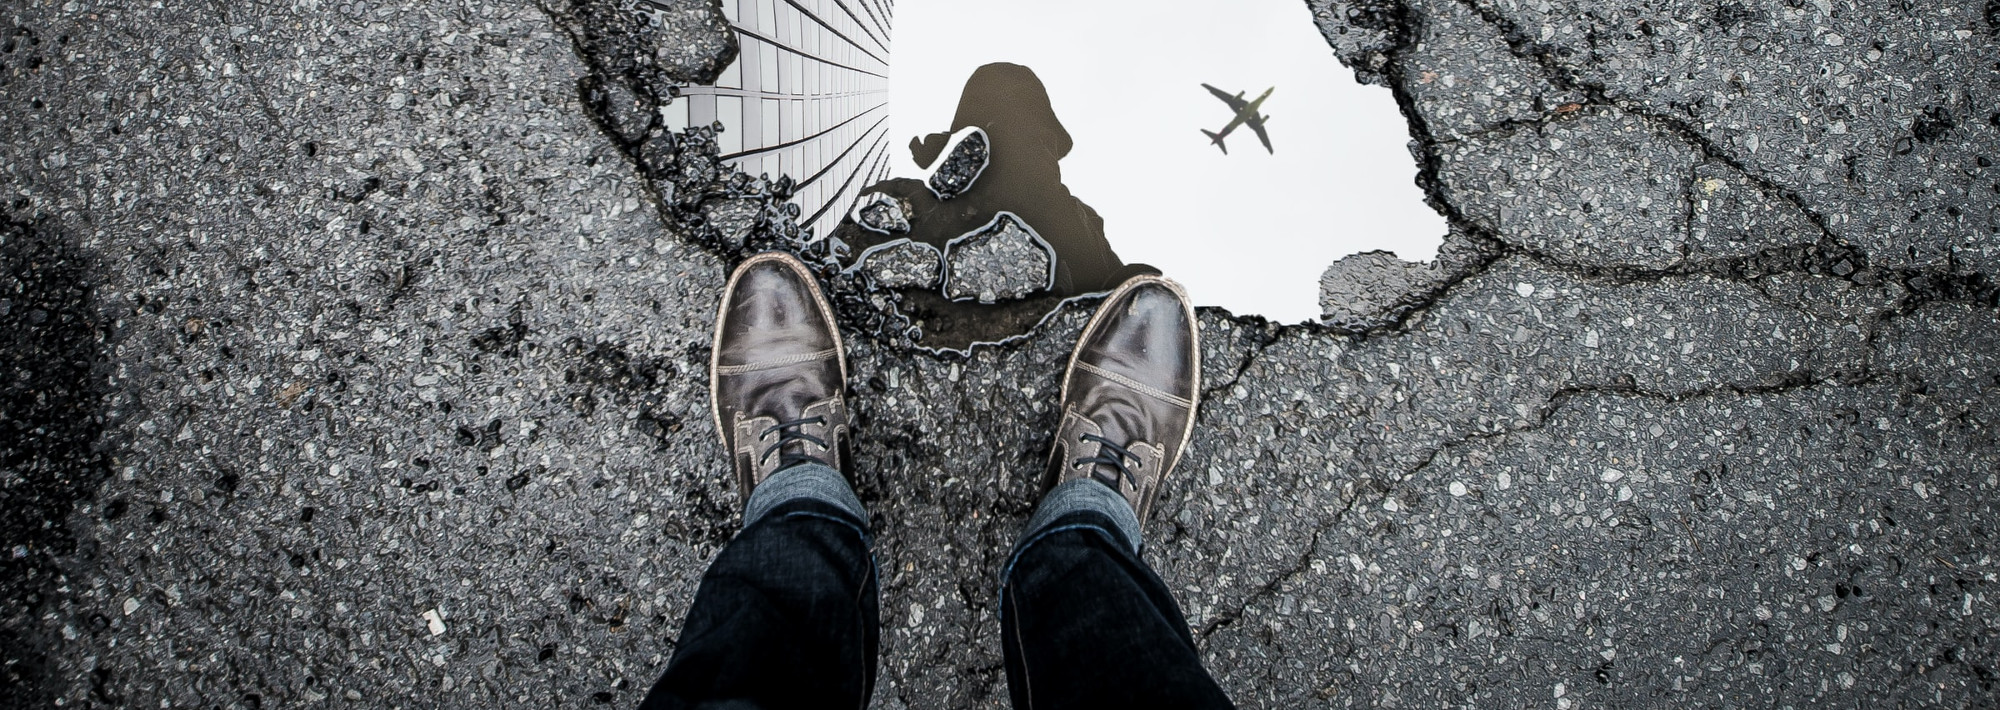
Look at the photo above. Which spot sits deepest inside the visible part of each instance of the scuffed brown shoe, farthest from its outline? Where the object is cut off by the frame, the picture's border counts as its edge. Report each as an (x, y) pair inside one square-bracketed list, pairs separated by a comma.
[(1129, 395), (777, 374)]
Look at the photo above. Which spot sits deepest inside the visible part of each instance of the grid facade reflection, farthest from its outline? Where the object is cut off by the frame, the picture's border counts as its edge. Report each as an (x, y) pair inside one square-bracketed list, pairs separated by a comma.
[(806, 97)]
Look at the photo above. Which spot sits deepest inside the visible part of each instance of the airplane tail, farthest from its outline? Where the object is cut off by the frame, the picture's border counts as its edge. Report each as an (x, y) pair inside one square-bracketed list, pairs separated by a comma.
[(1217, 140)]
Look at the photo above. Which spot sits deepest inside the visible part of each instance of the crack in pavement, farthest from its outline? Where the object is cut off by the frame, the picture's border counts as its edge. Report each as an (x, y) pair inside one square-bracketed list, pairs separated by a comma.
[(1230, 616), (1790, 382), (1565, 77), (1794, 382), (1829, 255), (264, 104)]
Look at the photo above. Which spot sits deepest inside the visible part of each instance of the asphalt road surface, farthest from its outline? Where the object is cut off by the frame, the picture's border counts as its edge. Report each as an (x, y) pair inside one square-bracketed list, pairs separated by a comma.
[(354, 352)]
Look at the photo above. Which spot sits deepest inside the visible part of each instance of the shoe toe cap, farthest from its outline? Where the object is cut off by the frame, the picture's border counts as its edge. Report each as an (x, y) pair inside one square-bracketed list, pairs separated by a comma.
[(773, 309), (1149, 336)]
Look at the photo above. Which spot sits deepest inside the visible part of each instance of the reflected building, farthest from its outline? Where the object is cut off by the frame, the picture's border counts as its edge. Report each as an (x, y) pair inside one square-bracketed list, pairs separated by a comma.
[(807, 97)]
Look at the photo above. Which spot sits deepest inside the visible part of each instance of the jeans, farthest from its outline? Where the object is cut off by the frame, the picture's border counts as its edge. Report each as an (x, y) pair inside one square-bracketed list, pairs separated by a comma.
[(787, 615)]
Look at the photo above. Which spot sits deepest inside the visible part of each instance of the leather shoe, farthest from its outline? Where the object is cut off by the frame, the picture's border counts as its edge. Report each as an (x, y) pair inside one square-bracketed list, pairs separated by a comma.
[(1128, 398), (777, 372)]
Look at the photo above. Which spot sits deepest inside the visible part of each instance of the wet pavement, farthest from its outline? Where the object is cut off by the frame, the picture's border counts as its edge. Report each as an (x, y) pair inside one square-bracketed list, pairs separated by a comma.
[(355, 354)]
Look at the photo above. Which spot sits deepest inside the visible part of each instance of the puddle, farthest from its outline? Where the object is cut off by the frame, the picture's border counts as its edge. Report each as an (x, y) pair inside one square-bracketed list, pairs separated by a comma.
[(1097, 156), (1250, 231)]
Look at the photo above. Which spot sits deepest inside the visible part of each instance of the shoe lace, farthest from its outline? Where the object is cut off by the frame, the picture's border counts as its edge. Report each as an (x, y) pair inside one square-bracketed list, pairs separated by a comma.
[(789, 432), (1113, 455)]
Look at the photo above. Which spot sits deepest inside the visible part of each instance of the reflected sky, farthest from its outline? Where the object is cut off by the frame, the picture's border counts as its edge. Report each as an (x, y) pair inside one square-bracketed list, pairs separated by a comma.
[(1248, 231)]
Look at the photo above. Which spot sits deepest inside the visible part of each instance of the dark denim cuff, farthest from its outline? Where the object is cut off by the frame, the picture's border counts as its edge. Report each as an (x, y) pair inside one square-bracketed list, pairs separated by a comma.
[(807, 480), (1084, 494)]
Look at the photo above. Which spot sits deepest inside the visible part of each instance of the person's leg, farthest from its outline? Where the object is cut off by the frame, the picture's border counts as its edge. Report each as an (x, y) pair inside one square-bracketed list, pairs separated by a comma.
[(786, 616), (1084, 622)]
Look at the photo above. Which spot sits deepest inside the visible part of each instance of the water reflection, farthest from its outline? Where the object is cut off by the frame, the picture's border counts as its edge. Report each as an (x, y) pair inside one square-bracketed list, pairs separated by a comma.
[(1025, 143), (1250, 231), (806, 97)]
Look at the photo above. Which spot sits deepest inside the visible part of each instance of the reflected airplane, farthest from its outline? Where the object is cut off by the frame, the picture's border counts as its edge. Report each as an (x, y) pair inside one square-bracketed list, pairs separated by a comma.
[(1246, 112)]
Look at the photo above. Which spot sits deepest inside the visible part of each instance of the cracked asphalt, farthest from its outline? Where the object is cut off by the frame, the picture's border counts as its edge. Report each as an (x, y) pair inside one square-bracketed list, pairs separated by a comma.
[(355, 355)]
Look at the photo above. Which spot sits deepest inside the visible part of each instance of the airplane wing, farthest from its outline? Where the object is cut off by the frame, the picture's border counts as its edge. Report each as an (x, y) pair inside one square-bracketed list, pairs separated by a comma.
[(1235, 104), (1257, 124)]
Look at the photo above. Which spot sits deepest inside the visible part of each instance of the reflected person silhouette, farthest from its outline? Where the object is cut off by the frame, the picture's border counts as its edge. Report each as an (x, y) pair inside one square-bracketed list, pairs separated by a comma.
[(1022, 176)]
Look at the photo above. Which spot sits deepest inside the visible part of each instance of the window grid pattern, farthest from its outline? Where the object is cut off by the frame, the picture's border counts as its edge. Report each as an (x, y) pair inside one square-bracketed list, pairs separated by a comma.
[(806, 97)]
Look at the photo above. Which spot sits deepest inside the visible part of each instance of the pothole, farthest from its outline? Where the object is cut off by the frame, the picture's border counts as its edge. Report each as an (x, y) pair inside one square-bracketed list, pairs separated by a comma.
[(935, 224), (1250, 230)]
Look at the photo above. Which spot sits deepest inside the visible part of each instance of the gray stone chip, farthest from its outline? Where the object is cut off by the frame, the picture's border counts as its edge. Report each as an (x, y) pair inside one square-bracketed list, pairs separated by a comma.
[(732, 219), (903, 264), (1003, 261), (963, 161), (882, 213)]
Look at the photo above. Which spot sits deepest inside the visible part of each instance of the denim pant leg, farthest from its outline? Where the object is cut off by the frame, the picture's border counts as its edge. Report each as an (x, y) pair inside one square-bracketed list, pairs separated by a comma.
[(1084, 623), (786, 615)]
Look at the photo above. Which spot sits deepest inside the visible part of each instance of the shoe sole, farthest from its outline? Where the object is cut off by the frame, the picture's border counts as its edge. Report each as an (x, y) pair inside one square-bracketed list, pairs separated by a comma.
[(1194, 330), (729, 294)]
